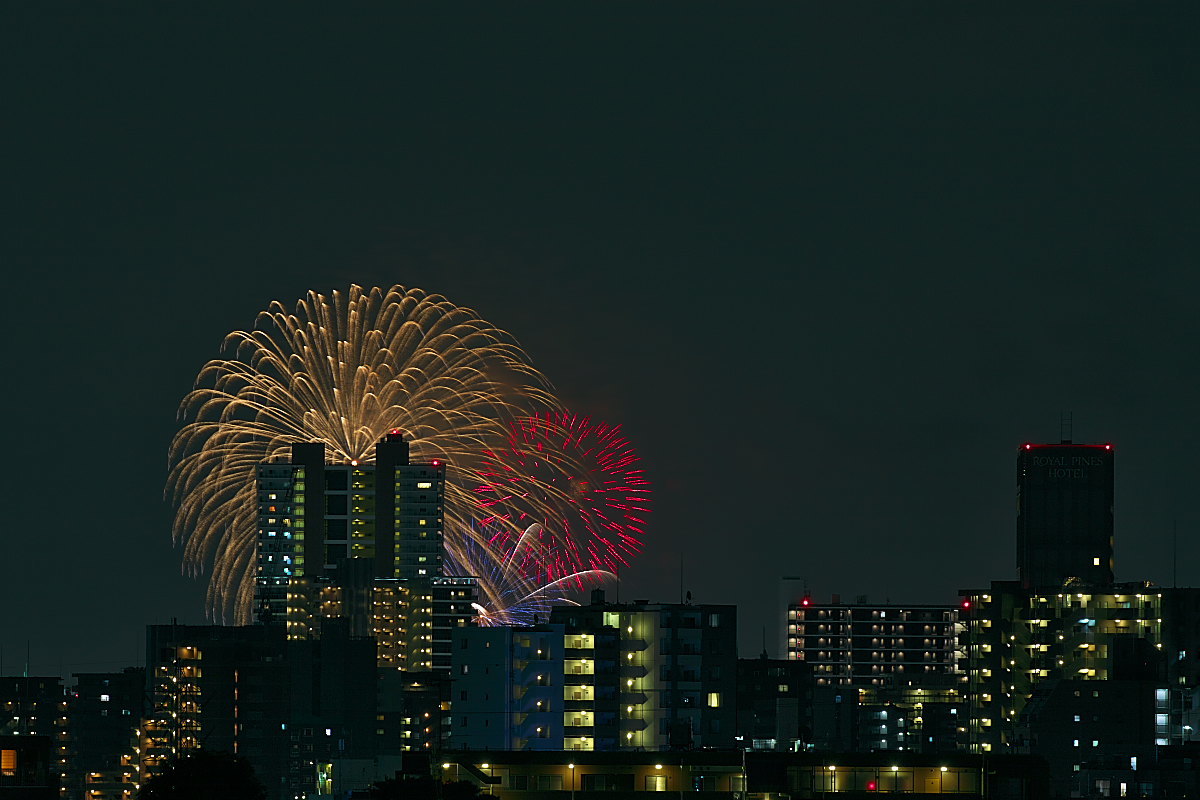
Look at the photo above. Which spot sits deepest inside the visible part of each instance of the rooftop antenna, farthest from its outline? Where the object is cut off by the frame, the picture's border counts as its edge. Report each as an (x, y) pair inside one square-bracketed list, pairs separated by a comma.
[(1066, 427), (1174, 554)]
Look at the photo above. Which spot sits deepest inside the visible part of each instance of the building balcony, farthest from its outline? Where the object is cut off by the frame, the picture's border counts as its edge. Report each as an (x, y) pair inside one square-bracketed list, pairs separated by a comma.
[(579, 705), (578, 731), (1121, 613)]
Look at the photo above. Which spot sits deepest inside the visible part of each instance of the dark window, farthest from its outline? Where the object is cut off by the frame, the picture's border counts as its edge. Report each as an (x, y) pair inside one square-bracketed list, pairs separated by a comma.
[(593, 782)]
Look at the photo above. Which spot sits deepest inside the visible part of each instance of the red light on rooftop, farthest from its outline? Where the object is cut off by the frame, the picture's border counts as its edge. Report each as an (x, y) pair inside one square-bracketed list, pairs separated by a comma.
[(1108, 447), (1028, 447), (966, 604), (436, 462), (394, 431), (806, 601), (872, 786)]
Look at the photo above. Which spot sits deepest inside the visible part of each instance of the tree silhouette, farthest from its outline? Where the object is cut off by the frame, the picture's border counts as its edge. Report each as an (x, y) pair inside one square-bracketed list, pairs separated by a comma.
[(205, 775)]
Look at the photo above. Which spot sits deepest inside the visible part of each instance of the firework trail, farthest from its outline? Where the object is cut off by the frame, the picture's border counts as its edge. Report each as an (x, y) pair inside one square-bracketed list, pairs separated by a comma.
[(511, 593), (578, 483), (343, 370)]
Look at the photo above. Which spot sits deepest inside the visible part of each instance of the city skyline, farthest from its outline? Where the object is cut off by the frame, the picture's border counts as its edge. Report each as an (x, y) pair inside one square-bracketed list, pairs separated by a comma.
[(827, 285)]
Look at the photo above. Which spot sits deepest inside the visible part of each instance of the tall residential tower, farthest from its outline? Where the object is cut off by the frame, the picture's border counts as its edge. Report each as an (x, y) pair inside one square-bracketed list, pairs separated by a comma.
[(360, 541)]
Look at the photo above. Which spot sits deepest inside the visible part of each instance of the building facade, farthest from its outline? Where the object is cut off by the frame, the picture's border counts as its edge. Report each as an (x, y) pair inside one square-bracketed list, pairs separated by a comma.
[(605, 676), (1065, 496), (864, 644), (736, 774), (104, 711), (364, 542), (774, 704), (29, 768), (1016, 640), (37, 706), (287, 706)]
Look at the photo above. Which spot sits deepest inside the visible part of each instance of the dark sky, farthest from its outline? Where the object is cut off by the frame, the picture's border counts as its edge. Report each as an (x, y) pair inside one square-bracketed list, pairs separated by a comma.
[(828, 264)]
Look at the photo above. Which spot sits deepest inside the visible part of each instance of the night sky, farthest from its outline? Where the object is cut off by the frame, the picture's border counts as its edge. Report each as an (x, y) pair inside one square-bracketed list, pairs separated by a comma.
[(828, 265)]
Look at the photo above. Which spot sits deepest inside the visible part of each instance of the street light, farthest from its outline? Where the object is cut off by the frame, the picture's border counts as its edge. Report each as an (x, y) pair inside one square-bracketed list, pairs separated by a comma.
[(572, 768)]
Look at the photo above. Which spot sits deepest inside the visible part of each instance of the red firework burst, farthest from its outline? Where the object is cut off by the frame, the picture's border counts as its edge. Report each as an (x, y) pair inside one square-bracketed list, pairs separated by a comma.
[(575, 479)]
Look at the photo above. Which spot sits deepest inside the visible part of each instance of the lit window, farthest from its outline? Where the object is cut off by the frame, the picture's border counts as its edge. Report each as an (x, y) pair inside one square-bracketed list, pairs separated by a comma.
[(104, 698), (8, 762), (420, 522), (424, 485), (1096, 561), (714, 699)]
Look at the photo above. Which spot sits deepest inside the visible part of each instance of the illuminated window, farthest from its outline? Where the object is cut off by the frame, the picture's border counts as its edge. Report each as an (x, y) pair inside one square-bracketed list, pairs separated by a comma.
[(424, 485), (8, 762), (714, 699), (1096, 561)]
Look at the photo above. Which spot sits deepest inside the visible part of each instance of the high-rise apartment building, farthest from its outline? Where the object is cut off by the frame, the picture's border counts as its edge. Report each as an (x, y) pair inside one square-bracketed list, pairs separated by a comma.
[(104, 709), (893, 671), (863, 644), (361, 541), (289, 707), (1064, 515), (606, 676), (677, 669), (1017, 641)]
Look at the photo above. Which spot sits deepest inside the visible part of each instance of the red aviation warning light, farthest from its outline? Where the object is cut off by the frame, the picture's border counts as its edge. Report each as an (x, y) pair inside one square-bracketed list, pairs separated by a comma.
[(966, 604), (872, 786), (807, 601)]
